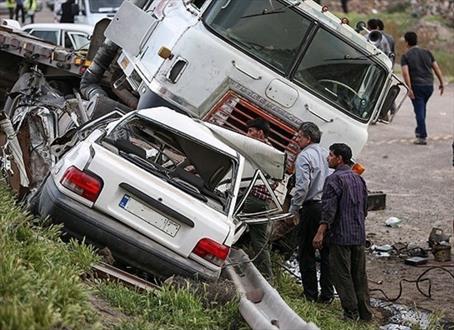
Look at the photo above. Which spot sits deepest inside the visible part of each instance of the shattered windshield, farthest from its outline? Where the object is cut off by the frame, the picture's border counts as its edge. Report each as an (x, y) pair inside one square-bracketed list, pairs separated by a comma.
[(104, 6), (270, 30), (340, 74), (177, 159)]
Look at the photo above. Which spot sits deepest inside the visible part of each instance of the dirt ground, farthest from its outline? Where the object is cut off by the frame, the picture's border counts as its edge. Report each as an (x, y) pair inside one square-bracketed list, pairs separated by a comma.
[(419, 183)]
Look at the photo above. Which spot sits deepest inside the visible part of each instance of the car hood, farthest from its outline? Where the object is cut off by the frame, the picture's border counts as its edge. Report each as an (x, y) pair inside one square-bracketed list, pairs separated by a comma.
[(259, 154)]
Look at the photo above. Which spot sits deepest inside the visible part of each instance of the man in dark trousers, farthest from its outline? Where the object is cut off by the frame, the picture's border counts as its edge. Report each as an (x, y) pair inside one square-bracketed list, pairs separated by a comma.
[(67, 12), (20, 8), (311, 170), (344, 209), (417, 65), (257, 201)]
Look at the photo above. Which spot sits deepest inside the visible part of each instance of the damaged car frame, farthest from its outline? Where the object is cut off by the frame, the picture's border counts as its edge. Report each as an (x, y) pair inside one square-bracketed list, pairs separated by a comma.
[(162, 191)]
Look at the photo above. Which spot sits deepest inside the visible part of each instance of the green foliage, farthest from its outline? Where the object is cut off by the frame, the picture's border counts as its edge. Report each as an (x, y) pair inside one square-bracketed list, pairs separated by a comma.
[(169, 308), (40, 285)]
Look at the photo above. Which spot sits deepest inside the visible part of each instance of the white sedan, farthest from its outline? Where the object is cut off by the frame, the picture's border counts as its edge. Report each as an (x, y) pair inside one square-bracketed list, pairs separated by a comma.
[(67, 35), (162, 191)]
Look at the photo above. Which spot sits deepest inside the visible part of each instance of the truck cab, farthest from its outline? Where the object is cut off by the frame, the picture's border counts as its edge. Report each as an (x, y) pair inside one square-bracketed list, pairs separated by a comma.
[(229, 61)]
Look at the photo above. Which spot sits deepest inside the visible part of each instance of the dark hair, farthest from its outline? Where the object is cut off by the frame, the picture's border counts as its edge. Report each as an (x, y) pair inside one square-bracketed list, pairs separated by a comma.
[(343, 150), (311, 130), (372, 24), (260, 124), (411, 38), (380, 24)]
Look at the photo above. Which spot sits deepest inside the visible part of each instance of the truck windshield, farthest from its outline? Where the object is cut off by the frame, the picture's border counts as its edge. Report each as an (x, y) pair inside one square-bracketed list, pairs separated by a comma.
[(270, 30), (340, 74), (104, 6), (273, 32)]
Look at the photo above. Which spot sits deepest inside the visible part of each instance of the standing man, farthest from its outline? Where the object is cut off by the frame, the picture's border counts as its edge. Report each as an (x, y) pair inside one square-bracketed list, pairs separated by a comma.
[(417, 65), (11, 4), (257, 201), (30, 6), (389, 38), (20, 8), (311, 170), (67, 12), (344, 209)]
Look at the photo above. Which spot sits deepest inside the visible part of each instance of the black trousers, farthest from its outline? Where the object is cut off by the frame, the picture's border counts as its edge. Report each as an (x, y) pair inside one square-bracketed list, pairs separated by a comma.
[(350, 279), (20, 8), (310, 216)]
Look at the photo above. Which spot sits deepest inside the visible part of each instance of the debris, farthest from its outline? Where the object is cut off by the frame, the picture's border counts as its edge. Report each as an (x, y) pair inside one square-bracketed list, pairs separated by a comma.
[(393, 222), (384, 248), (415, 261), (439, 242), (442, 252)]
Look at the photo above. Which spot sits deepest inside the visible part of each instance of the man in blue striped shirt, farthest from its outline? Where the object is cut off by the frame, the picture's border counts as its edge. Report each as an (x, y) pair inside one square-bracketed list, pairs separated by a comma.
[(344, 209), (311, 170)]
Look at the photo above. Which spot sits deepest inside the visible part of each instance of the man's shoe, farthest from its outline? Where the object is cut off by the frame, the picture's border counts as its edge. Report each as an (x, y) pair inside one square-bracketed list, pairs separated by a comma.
[(351, 315), (326, 301), (420, 141)]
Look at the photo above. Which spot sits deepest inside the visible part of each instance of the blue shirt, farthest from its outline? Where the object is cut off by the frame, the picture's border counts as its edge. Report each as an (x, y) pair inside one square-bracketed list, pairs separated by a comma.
[(311, 170), (344, 207)]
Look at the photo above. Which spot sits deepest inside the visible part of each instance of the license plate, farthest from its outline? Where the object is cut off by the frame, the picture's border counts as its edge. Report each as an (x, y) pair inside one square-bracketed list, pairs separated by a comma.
[(148, 215)]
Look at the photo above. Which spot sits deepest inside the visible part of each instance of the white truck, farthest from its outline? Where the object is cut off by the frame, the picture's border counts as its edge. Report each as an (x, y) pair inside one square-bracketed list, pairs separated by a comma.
[(227, 61)]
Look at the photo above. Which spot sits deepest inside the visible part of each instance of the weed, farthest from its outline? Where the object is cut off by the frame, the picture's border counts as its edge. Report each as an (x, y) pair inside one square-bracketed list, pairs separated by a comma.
[(40, 285)]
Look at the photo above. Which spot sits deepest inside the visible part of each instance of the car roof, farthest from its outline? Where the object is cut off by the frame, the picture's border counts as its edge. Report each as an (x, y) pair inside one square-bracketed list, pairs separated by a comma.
[(61, 26), (259, 154)]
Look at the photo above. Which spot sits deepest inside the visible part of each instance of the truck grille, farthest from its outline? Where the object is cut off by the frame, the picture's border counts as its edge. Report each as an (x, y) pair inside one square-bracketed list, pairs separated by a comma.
[(233, 112)]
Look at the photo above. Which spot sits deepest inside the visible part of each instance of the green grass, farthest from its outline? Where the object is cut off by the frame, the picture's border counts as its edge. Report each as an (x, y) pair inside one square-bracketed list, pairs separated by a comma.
[(40, 284), (170, 308)]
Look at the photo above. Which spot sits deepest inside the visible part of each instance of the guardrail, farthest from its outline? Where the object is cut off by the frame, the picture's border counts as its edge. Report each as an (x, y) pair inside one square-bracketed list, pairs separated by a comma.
[(260, 304)]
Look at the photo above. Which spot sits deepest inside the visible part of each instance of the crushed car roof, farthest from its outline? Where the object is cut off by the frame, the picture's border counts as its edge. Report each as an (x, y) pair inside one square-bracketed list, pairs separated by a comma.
[(263, 156)]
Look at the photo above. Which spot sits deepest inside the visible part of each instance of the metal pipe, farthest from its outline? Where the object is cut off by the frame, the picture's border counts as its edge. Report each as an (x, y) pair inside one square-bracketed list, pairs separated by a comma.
[(90, 82)]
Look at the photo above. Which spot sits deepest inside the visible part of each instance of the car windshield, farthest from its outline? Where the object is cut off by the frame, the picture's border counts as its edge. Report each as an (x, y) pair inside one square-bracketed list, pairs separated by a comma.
[(104, 6), (269, 30), (185, 163)]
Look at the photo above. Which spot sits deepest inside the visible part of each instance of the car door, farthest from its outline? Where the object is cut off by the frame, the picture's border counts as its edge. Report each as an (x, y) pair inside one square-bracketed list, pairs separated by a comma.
[(258, 192), (76, 40)]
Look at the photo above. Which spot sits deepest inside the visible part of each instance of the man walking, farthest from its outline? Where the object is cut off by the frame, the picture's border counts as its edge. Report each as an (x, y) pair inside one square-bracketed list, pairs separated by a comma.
[(417, 65), (344, 209), (257, 201), (311, 170)]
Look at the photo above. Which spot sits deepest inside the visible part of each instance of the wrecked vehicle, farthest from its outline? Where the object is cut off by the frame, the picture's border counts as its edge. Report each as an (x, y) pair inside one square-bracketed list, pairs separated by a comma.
[(160, 190), (228, 61)]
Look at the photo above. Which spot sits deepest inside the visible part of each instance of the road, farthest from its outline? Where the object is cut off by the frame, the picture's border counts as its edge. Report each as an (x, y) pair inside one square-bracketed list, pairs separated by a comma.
[(418, 179)]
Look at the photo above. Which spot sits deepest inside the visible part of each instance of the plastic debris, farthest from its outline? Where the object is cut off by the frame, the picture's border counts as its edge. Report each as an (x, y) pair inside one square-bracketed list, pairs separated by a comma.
[(393, 222)]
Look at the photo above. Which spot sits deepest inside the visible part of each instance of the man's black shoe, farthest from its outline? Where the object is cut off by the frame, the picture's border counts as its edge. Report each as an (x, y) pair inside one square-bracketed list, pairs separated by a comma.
[(351, 315), (326, 301)]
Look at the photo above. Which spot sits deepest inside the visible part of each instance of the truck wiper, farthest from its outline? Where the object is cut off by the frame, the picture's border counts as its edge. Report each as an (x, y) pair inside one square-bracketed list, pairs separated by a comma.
[(271, 12)]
